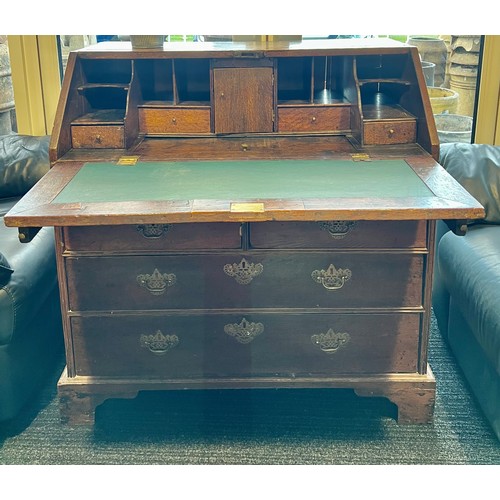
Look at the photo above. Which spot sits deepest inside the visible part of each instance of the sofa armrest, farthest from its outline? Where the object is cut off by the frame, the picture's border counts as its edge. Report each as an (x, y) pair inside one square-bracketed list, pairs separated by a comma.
[(477, 168), (24, 160)]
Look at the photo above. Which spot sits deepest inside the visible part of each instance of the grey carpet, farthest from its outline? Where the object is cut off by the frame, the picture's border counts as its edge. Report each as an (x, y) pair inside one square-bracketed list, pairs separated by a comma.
[(257, 427)]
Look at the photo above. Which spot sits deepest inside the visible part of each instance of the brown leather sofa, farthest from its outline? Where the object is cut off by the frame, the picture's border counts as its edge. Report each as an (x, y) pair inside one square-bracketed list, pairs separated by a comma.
[(31, 340), (466, 290)]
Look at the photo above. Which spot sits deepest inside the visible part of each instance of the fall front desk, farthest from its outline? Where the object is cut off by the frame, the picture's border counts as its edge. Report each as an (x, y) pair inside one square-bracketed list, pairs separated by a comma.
[(243, 260)]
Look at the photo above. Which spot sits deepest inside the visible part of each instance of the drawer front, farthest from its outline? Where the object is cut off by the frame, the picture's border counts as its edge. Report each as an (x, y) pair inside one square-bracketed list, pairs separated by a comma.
[(97, 136), (313, 119), (236, 345), (174, 121), (384, 132), (339, 234), (159, 237), (233, 281)]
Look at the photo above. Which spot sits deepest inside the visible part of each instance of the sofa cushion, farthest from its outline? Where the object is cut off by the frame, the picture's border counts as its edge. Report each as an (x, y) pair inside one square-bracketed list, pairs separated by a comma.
[(477, 168), (24, 160), (470, 267)]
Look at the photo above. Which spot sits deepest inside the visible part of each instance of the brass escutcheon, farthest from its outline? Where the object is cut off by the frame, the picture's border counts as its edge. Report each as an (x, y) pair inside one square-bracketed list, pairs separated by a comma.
[(337, 228), (245, 331), (156, 283), (332, 278), (159, 343), (244, 272), (153, 231)]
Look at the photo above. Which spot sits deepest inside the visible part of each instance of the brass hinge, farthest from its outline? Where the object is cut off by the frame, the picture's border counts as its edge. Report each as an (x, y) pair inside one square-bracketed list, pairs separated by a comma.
[(361, 157), (127, 160)]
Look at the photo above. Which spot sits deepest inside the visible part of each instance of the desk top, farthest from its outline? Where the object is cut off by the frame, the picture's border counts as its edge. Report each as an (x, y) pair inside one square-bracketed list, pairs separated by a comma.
[(105, 193), (242, 181)]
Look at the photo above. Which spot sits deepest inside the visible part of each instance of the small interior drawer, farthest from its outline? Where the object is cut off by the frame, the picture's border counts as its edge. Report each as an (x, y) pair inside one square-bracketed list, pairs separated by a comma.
[(390, 132), (97, 136), (174, 120), (313, 118)]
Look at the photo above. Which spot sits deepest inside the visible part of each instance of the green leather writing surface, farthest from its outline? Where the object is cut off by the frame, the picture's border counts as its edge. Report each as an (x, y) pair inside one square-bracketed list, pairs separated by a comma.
[(239, 180)]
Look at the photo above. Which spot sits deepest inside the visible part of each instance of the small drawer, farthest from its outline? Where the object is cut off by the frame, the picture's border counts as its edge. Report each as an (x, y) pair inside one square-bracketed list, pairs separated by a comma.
[(174, 120), (390, 132), (245, 280), (339, 234), (245, 345), (98, 136), (147, 237), (313, 119)]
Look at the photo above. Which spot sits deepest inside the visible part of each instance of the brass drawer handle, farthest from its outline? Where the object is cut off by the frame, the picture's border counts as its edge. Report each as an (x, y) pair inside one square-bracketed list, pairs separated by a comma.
[(245, 331), (159, 343), (98, 139), (330, 342), (337, 229), (156, 283), (244, 272), (332, 278), (153, 231)]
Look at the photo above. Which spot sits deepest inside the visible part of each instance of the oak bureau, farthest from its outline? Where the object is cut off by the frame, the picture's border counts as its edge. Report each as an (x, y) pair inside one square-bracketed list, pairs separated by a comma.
[(245, 215)]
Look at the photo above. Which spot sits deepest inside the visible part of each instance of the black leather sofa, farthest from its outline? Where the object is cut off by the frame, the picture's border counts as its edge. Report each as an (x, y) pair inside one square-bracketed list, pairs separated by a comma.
[(466, 291), (31, 339)]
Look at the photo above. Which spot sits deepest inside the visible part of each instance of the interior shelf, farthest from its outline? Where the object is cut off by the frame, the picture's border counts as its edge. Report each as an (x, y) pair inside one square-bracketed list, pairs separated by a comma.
[(385, 112), (101, 117), (170, 103), (92, 86), (397, 81)]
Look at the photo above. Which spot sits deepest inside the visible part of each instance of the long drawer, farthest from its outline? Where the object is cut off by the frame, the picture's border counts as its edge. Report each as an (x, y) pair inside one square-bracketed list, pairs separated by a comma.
[(236, 345), (245, 280)]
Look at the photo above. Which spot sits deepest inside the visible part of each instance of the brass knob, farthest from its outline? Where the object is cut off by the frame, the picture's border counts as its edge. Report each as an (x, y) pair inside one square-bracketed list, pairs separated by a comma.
[(313, 119), (390, 132), (222, 94), (174, 120), (244, 147), (98, 139)]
